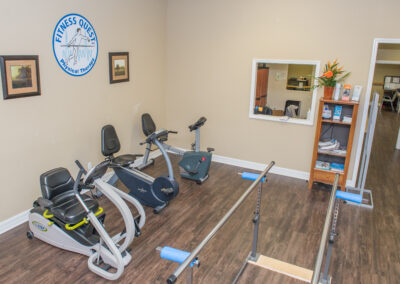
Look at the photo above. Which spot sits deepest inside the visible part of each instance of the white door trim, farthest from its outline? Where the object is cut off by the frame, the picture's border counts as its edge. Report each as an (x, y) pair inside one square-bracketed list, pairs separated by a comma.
[(377, 41)]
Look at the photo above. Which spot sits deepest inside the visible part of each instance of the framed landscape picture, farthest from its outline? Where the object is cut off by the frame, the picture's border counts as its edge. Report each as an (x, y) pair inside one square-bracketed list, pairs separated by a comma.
[(20, 76), (119, 67)]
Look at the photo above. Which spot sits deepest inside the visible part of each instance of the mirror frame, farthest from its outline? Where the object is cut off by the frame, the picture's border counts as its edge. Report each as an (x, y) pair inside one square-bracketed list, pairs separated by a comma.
[(309, 121)]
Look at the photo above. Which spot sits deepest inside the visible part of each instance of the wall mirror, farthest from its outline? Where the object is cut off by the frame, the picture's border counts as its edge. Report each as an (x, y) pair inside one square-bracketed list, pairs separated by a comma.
[(282, 90)]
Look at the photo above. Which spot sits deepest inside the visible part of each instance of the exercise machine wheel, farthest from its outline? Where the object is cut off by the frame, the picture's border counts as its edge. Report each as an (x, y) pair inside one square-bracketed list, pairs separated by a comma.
[(30, 235)]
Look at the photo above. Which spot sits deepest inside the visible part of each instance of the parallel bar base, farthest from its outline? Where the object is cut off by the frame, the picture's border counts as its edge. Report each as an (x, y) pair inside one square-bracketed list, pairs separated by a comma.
[(323, 281), (285, 268), (366, 202)]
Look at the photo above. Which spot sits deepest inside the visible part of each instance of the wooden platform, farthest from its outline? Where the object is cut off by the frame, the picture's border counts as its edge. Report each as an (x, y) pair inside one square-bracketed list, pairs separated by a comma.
[(288, 269)]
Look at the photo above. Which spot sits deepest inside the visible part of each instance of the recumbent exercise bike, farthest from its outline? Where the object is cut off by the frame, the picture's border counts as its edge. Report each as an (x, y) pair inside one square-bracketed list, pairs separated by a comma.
[(65, 218), (153, 192)]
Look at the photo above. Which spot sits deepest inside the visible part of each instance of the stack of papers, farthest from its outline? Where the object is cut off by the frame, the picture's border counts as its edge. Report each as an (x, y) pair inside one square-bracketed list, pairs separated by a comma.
[(329, 145), (322, 165), (346, 119)]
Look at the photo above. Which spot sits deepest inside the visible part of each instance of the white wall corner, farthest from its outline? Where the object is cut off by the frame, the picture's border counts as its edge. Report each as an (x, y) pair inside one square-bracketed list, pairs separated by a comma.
[(14, 221)]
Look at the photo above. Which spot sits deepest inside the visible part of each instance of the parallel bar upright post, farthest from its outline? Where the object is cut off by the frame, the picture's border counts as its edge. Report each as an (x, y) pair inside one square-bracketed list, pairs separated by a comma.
[(173, 277), (256, 221), (320, 255)]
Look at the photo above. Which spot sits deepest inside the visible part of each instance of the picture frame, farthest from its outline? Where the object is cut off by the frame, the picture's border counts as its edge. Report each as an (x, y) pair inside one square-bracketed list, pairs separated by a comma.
[(119, 67), (20, 76)]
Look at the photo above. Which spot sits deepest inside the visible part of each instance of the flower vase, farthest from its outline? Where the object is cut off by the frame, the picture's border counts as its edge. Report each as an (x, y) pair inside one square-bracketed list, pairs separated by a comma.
[(328, 91)]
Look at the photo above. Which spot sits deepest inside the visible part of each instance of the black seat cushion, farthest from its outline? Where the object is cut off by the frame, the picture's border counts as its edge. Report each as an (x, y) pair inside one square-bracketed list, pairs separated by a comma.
[(68, 209), (57, 186), (148, 124), (125, 160), (56, 181), (109, 141)]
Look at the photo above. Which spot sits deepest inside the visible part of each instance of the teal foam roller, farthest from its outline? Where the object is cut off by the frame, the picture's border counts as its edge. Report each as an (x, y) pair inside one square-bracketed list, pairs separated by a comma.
[(175, 255), (251, 176), (356, 198)]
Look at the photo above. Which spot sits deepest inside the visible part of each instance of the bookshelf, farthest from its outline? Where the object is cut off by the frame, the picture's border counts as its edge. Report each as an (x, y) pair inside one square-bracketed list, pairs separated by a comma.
[(337, 130)]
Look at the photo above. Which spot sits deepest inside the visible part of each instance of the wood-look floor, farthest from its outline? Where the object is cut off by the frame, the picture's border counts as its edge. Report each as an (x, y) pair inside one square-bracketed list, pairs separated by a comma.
[(366, 251)]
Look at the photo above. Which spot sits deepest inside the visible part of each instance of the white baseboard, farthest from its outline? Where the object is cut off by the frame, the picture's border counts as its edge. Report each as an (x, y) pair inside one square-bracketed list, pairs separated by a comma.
[(256, 166), (14, 221), (23, 217), (259, 167)]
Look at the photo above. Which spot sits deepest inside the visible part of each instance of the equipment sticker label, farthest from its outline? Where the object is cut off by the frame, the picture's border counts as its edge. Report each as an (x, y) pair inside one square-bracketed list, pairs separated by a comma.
[(75, 44), (40, 226)]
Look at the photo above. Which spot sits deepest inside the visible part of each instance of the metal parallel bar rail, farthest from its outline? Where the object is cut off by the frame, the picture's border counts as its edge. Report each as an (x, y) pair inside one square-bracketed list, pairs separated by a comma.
[(173, 277), (320, 255)]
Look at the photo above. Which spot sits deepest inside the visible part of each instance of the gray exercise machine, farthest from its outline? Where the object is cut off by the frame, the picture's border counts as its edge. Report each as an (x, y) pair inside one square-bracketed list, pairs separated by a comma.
[(66, 218), (366, 154), (194, 164)]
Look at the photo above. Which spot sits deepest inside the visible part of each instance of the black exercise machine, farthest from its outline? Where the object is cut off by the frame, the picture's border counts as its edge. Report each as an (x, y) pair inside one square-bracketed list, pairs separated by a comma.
[(153, 192)]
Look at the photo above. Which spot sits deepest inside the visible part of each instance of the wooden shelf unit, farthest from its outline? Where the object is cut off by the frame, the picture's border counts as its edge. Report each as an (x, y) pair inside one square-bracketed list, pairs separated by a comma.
[(344, 132)]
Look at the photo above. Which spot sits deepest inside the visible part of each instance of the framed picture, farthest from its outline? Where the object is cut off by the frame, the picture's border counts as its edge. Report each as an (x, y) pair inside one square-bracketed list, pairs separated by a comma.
[(119, 67), (20, 76)]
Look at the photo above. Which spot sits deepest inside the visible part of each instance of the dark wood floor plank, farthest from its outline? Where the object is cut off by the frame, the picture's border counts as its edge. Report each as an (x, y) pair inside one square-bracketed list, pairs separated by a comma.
[(366, 251)]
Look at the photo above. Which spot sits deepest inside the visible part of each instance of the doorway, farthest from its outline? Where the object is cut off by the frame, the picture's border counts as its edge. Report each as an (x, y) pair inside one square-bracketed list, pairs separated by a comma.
[(384, 67)]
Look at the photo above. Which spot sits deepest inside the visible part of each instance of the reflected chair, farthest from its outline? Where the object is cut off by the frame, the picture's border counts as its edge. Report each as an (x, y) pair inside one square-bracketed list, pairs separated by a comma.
[(389, 97)]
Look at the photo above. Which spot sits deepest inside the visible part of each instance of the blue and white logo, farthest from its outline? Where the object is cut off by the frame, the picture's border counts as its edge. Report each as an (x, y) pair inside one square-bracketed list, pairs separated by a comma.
[(75, 44)]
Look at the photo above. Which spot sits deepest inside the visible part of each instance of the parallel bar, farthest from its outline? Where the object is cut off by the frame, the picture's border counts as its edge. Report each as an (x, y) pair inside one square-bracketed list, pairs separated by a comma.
[(196, 251), (320, 255)]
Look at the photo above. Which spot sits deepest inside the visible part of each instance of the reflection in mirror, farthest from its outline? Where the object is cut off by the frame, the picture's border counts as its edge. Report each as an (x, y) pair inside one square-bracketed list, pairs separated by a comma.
[(283, 90)]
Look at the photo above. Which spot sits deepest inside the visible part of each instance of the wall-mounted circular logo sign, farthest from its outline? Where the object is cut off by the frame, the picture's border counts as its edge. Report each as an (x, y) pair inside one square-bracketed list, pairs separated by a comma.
[(75, 44)]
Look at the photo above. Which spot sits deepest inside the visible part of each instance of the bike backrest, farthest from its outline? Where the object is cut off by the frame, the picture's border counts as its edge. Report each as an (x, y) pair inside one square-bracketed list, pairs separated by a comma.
[(109, 141), (148, 124), (55, 182)]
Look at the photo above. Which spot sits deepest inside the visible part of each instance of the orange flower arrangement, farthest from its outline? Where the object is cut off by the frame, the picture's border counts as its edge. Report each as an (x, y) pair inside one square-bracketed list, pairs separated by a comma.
[(330, 76)]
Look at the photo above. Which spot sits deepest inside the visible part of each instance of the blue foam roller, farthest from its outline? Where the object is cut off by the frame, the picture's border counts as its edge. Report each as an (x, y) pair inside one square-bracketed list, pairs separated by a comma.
[(251, 176), (174, 254), (356, 198)]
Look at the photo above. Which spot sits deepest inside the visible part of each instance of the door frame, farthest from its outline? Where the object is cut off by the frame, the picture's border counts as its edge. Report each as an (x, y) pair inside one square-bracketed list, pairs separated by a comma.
[(374, 54)]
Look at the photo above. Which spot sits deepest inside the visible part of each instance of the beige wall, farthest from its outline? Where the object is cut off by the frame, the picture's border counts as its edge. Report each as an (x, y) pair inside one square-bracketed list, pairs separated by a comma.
[(210, 49), (63, 124)]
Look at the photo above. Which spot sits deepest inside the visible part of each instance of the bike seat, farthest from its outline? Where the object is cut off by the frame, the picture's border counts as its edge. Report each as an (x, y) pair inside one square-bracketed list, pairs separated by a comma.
[(57, 186), (68, 209), (125, 160)]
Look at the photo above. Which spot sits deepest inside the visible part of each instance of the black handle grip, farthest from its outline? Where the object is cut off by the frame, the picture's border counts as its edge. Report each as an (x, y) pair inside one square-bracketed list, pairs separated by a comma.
[(78, 178), (173, 131), (171, 279), (80, 167)]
